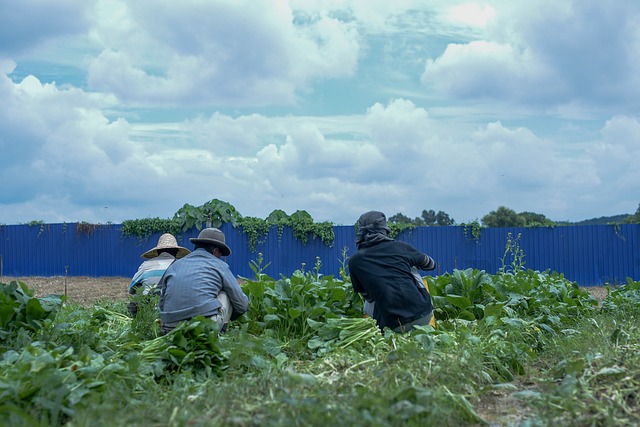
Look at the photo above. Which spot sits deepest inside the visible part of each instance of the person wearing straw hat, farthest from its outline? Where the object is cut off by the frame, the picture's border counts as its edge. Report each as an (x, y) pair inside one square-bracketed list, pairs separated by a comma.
[(157, 259), (201, 284), (385, 272)]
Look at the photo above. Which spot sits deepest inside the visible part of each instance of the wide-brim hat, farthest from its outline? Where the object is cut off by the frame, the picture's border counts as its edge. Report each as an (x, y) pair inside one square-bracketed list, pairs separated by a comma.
[(166, 241), (212, 236)]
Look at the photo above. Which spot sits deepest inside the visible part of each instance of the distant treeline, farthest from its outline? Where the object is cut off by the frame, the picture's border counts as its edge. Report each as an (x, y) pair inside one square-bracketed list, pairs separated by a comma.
[(506, 217)]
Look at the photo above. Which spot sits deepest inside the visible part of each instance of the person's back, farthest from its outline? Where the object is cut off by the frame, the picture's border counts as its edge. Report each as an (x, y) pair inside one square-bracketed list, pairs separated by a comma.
[(382, 270), (193, 285), (157, 260), (201, 284), (386, 270), (149, 273)]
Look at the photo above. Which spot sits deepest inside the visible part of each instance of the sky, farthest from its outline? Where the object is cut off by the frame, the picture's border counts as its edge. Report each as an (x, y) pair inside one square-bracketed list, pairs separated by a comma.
[(117, 110)]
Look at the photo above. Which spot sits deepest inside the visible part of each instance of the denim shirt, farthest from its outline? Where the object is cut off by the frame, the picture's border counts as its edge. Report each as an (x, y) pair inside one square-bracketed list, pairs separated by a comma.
[(190, 287)]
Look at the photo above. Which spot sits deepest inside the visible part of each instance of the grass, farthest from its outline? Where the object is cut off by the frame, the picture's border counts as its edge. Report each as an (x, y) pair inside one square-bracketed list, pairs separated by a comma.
[(85, 369), (585, 377)]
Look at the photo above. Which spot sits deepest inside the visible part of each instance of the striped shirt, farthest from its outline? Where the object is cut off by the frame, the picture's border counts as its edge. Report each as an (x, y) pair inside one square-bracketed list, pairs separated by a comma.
[(149, 274)]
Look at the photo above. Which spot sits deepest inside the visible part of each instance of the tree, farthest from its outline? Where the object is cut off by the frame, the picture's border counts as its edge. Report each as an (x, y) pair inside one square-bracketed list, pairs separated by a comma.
[(429, 217), (400, 219), (503, 217), (418, 222), (635, 218), (532, 219), (443, 218)]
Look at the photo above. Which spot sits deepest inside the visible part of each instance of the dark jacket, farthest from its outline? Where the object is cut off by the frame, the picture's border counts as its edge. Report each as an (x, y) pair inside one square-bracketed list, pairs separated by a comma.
[(382, 273)]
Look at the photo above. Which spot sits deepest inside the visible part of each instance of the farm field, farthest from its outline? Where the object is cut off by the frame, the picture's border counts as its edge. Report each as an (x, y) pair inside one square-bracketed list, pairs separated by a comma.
[(519, 348), (87, 291)]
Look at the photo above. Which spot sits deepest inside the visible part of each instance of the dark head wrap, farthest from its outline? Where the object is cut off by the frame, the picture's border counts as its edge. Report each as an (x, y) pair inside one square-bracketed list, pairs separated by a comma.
[(372, 229)]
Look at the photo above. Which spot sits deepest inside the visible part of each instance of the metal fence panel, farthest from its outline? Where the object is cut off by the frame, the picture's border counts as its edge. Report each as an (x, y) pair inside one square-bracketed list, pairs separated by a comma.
[(589, 255)]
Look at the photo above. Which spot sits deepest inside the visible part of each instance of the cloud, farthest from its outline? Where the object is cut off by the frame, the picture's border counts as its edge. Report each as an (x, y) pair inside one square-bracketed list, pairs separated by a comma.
[(482, 69), (28, 24), (239, 54), (397, 158), (460, 107), (547, 54), (615, 159)]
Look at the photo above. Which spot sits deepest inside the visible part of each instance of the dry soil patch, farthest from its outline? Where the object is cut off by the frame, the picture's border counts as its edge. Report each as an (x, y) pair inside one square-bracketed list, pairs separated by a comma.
[(86, 291)]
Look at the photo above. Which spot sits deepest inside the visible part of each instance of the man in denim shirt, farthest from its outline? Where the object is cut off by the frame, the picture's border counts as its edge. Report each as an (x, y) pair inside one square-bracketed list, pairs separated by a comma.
[(201, 284)]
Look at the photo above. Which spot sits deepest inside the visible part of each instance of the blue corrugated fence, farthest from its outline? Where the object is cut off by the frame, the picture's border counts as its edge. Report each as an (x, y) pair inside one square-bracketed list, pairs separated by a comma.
[(590, 255)]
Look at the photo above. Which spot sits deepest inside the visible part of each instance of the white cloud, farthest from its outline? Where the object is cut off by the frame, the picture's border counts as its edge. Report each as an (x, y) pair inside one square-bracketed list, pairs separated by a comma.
[(531, 106), (240, 53), (615, 159), (546, 54), (471, 14), (28, 24), (482, 69)]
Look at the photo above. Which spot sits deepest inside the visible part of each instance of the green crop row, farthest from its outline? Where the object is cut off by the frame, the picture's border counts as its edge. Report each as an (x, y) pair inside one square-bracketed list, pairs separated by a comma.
[(514, 348)]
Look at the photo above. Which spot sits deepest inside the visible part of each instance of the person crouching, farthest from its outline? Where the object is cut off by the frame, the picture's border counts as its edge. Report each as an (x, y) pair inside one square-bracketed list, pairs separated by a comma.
[(201, 284)]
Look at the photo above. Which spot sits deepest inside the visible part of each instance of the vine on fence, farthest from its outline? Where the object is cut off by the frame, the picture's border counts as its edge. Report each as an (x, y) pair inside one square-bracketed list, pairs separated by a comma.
[(37, 223), (216, 212), (255, 228), (473, 229), (85, 228), (302, 226), (279, 218), (398, 227), (143, 228), (616, 229)]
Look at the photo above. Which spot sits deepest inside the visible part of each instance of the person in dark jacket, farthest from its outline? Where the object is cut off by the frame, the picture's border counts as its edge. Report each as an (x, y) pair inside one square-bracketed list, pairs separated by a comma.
[(384, 272), (201, 284)]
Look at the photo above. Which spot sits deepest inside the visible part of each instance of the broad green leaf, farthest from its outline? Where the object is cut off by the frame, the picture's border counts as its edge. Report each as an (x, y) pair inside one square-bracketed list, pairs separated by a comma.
[(34, 310), (294, 313), (466, 315), (458, 301), (271, 318)]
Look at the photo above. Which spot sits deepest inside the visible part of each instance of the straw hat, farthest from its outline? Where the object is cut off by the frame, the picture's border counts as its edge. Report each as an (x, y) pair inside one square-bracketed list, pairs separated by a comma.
[(212, 236), (166, 241)]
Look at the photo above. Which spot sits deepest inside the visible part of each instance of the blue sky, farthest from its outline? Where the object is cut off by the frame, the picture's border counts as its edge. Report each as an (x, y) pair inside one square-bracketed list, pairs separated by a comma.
[(115, 110)]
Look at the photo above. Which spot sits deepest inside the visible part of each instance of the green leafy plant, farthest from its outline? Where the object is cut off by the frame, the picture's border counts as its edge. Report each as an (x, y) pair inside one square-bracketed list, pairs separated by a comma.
[(624, 298), (257, 267), (472, 230), (20, 310), (37, 223), (191, 346), (144, 228), (533, 338), (618, 231), (283, 306), (214, 212), (399, 227), (255, 228), (280, 219), (360, 333), (302, 226), (513, 258)]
